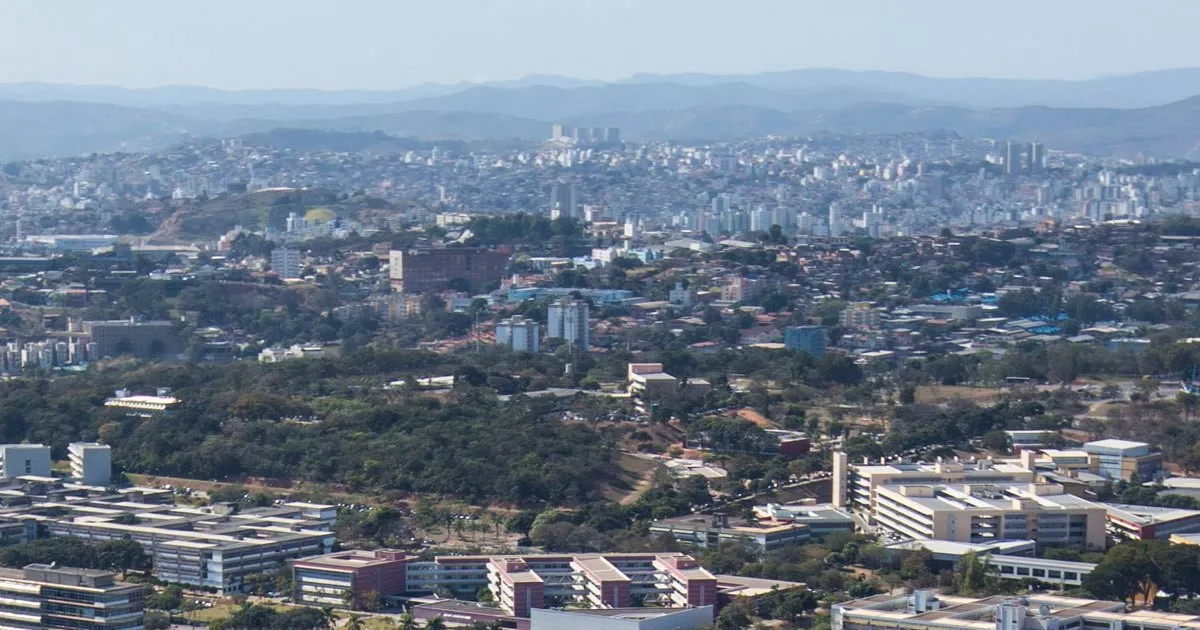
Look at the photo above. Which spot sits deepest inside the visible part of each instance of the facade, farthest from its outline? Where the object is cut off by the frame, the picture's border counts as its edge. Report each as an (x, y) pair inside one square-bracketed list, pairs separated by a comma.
[(286, 262), (350, 579), (810, 339), (1120, 460), (419, 270), (569, 320), (142, 339), (563, 201), (519, 334), (91, 463), (930, 611), (46, 596), (739, 289), (21, 460), (680, 295), (862, 315)]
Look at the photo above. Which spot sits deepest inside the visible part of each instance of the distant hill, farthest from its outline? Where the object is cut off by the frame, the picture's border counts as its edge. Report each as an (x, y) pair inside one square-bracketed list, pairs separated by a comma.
[(29, 130), (1144, 89), (642, 111)]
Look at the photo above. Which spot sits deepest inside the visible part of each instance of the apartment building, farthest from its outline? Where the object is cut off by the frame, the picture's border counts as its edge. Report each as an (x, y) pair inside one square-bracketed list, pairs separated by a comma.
[(91, 463), (519, 334), (648, 384), (931, 611), (47, 596)]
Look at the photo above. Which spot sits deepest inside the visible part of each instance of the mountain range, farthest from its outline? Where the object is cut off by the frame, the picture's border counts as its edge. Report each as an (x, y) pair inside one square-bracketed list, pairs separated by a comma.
[(1156, 113)]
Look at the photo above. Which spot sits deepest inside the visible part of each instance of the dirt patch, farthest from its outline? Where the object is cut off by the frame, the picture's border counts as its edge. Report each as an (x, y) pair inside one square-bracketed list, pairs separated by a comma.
[(941, 393), (634, 479)]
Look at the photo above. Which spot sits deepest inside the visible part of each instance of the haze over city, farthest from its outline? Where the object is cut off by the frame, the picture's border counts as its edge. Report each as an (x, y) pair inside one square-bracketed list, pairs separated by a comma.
[(383, 44)]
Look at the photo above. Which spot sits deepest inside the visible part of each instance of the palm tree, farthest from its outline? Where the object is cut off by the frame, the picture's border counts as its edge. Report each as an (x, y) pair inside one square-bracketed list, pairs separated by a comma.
[(435, 624), (407, 621), (355, 623), (328, 617)]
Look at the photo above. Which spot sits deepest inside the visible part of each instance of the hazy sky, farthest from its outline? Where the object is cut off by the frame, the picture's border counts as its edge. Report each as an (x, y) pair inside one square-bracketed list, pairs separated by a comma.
[(383, 44)]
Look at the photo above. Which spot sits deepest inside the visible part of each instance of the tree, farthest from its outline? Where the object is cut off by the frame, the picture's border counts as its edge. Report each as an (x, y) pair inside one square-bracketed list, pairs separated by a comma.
[(996, 441), (407, 621), (970, 576), (735, 616), (156, 621), (1130, 570), (437, 623)]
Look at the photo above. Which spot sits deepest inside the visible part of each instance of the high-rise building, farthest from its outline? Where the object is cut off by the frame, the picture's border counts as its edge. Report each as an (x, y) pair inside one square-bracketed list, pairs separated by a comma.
[(91, 463), (1037, 158), (286, 262), (563, 203), (519, 334), (1012, 158), (568, 320), (19, 460)]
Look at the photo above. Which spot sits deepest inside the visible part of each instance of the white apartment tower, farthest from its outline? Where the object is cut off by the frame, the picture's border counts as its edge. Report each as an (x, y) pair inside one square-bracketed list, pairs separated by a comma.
[(519, 334), (568, 320)]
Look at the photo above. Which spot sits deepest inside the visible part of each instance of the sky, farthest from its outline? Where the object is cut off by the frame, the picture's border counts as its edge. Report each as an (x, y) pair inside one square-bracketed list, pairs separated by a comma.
[(389, 44)]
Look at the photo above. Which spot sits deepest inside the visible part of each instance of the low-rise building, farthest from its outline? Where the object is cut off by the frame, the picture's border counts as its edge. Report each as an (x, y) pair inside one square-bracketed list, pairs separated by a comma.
[(820, 519), (1120, 460), (702, 530), (986, 513), (1140, 522), (49, 596), (349, 579), (928, 610)]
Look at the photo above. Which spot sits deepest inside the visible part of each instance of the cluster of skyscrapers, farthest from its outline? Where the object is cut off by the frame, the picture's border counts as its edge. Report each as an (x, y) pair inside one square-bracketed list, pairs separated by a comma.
[(1024, 158)]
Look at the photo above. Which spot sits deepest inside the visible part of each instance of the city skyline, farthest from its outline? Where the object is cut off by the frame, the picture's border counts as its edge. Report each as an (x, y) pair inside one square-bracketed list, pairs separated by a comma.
[(308, 44)]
